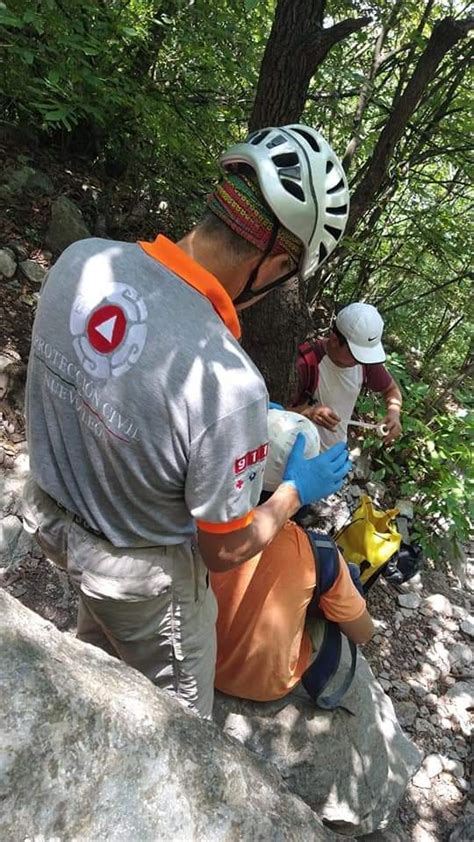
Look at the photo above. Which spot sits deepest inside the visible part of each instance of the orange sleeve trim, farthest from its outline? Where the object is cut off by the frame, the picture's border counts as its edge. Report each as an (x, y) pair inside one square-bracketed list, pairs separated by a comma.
[(230, 526)]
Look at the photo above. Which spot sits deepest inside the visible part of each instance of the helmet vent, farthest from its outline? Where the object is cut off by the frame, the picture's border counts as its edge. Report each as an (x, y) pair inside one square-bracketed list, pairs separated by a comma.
[(335, 232), (336, 187), (293, 188), (323, 252), (340, 211), (277, 141), (329, 167), (258, 137), (308, 138), (290, 172), (287, 159)]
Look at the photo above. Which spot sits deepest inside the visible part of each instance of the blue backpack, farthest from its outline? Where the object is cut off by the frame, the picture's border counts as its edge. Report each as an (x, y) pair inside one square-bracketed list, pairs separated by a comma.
[(326, 635)]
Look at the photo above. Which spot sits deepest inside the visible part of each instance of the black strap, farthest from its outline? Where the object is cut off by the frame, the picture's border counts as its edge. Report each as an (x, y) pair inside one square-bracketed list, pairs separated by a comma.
[(324, 667), (326, 663), (248, 293), (326, 562)]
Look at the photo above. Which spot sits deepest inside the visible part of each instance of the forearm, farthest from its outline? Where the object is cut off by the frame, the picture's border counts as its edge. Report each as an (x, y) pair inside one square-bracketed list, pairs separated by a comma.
[(393, 402), (393, 397), (238, 547), (300, 408)]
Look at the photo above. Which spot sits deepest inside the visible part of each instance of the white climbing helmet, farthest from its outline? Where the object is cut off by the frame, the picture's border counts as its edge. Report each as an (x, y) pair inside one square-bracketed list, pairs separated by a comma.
[(304, 184), (283, 427)]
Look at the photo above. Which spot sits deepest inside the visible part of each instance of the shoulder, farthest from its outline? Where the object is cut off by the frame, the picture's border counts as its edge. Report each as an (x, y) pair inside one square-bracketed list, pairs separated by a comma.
[(96, 245), (319, 346), (377, 377), (292, 541), (316, 348), (93, 255), (222, 384)]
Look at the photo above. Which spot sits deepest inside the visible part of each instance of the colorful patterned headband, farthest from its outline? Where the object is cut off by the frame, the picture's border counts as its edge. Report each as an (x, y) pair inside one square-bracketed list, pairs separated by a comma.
[(239, 203)]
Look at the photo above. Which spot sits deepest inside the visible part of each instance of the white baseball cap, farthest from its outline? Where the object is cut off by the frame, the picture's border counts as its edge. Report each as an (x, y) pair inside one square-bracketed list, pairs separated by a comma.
[(362, 327), (283, 427)]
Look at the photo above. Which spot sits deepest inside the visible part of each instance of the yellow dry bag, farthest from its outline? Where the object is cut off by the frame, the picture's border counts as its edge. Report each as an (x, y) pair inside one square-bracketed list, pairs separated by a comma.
[(370, 539)]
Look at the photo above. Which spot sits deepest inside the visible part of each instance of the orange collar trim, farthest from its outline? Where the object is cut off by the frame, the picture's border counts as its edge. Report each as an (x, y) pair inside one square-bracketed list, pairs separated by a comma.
[(195, 275)]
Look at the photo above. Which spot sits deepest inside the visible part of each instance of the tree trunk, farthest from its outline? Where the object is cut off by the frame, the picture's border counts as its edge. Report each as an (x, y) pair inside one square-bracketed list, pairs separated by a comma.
[(271, 332), (297, 45)]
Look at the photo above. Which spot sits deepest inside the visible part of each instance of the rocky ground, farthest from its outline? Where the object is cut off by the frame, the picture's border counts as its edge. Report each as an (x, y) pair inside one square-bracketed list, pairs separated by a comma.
[(422, 655), (422, 652)]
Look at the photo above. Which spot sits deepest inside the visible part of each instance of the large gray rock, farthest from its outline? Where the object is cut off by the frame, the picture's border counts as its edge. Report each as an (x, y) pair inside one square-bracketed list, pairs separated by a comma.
[(15, 543), (67, 225), (16, 181), (11, 486), (7, 263), (90, 750), (33, 271), (352, 769), (459, 701), (463, 831)]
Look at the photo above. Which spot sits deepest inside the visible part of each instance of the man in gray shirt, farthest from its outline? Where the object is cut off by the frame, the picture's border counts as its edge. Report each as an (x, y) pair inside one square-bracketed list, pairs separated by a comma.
[(147, 422)]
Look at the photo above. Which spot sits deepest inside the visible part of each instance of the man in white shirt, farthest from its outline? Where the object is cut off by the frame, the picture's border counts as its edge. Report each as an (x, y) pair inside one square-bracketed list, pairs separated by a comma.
[(333, 371)]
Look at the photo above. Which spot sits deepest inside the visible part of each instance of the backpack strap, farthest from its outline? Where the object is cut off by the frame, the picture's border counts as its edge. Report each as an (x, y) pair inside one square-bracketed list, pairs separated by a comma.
[(326, 662), (307, 370), (326, 562)]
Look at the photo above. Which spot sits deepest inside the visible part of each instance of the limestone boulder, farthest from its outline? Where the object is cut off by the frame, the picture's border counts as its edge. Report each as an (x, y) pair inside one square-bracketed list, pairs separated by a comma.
[(91, 750), (351, 765), (15, 543), (15, 181), (7, 263), (67, 225), (33, 271), (464, 830)]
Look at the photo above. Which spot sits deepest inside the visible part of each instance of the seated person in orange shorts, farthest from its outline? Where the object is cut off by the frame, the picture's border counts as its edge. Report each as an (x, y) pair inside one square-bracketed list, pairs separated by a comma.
[(263, 644)]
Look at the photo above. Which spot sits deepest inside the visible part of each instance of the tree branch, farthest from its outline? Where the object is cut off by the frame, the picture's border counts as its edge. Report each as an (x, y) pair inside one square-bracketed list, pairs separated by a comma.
[(323, 97), (458, 278), (291, 59), (319, 45), (445, 35), (366, 91)]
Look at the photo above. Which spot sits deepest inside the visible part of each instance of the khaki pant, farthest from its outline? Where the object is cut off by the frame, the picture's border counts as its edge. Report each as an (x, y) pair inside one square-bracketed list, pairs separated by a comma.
[(150, 607)]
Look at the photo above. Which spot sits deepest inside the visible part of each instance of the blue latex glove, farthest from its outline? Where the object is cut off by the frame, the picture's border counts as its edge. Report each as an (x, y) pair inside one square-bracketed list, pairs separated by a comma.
[(316, 478), (272, 405)]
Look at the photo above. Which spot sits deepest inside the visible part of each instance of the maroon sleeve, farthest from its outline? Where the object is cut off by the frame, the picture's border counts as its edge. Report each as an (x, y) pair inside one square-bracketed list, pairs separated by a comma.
[(319, 349), (377, 378)]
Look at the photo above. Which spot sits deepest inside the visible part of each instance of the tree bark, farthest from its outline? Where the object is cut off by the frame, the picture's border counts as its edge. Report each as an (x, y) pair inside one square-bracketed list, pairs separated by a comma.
[(297, 45), (271, 332)]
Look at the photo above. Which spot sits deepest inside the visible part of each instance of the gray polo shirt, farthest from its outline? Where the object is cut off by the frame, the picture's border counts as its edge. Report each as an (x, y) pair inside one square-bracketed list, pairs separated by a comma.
[(144, 414)]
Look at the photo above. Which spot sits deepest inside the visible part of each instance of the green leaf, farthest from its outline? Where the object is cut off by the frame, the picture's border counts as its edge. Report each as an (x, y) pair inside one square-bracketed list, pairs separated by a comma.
[(28, 56)]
